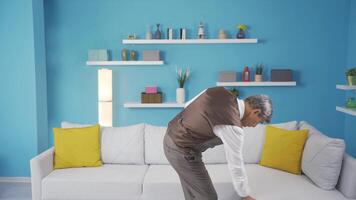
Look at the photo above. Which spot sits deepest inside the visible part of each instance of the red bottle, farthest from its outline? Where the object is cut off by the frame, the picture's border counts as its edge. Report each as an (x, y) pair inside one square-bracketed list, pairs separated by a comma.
[(246, 74)]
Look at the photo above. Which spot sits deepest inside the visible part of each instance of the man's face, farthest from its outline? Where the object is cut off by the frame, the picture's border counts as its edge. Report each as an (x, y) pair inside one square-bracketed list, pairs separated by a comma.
[(252, 119)]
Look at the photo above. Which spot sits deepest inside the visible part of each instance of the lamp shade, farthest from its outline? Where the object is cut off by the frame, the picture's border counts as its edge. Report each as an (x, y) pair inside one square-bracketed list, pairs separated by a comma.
[(105, 97), (105, 113), (105, 84)]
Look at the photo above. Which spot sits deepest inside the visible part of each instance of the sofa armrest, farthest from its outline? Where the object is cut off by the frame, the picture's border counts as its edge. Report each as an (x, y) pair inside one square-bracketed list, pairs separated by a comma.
[(41, 166), (347, 180)]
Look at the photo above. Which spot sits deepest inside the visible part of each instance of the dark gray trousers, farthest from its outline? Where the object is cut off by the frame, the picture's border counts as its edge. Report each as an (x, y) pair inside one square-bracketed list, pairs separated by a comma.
[(194, 177)]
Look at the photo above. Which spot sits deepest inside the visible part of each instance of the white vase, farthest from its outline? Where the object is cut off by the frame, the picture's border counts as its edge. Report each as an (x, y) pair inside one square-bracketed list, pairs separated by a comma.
[(180, 95)]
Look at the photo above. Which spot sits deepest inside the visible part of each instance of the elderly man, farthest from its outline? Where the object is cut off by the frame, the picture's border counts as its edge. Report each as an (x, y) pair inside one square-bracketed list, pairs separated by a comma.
[(213, 117)]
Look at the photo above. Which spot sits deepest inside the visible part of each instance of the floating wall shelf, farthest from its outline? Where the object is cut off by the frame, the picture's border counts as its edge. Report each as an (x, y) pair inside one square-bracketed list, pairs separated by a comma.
[(346, 110), (153, 105), (346, 87), (119, 63), (192, 41), (256, 84)]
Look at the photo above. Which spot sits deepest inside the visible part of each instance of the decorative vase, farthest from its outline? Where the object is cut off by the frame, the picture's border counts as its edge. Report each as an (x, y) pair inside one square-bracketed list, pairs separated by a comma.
[(124, 55), (158, 32), (258, 77), (180, 95), (148, 33), (351, 80), (241, 34), (133, 55)]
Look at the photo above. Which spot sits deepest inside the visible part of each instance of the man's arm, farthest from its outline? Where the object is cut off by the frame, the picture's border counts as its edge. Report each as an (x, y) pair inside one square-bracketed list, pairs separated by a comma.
[(232, 138)]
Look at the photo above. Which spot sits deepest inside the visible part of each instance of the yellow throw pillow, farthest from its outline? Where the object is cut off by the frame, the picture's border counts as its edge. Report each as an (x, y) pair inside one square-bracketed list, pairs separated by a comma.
[(77, 147), (283, 149)]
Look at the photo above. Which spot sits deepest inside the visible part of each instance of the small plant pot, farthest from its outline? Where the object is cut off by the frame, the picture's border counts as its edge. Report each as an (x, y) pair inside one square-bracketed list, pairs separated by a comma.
[(351, 80), (258, 78)]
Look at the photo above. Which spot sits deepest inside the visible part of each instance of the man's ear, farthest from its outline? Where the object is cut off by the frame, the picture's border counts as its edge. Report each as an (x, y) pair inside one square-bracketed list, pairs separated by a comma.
[(256, 111)]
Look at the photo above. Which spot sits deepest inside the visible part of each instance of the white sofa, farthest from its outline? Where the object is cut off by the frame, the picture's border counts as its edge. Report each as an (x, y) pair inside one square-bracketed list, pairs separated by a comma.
[(135, 168)]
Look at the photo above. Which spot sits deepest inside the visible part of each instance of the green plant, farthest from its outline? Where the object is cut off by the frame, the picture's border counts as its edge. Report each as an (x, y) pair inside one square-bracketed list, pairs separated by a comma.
[(182, 76), (235, 92), (241, 27), (259, 69), (351, 72)]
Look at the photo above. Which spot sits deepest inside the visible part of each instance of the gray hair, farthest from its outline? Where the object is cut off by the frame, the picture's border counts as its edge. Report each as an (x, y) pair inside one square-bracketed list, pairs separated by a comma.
[(262, 102)]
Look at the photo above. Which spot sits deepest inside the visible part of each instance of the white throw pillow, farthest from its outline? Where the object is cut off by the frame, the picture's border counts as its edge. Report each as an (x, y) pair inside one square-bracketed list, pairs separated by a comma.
[(254, 138), (154, 153), (322, 157), (123, 145)]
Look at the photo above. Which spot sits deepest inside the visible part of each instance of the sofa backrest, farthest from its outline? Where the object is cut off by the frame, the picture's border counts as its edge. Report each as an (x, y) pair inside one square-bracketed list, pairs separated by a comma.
[(254, 139), (119, 145)]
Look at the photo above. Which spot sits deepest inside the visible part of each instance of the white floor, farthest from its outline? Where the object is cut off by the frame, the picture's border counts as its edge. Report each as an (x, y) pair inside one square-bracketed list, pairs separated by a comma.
[(12, 191)]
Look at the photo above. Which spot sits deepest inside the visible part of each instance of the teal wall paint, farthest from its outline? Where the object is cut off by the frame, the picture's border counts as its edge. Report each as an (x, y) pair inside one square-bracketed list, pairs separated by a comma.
[(23, 101), (294, 34), (350, 121), (312, 43), (41, 76)]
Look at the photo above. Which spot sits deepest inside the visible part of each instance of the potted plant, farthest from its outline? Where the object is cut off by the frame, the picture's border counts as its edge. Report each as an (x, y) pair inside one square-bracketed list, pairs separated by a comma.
[(351, 76), (235, 92), (241, 33), (182, 77), (259, 71)]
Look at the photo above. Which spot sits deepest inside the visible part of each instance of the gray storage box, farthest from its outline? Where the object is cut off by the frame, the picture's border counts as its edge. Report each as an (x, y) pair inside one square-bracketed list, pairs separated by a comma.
[(227, 76), (281, 75), (98, 55), (151, 55)]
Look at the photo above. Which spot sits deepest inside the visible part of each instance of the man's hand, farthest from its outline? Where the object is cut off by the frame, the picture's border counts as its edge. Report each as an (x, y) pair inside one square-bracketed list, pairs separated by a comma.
[(247, 198)]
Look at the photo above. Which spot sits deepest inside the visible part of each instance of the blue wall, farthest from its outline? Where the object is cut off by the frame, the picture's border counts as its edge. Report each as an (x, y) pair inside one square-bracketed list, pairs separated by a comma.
[(307, 36), (23, 130), (304, 42), (350, 121)]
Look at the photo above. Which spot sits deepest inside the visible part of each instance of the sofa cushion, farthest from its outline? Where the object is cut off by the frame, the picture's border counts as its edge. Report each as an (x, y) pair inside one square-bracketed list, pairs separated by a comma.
[(254, 138), (271, 184), (162, 182), (106, 182), (322, 158), (77, 147), (283, 149), (154, 153), (123, 145)]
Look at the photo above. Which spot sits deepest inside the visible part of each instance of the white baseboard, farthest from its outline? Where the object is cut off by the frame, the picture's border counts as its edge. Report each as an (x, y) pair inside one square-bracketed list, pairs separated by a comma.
[(15, 180)]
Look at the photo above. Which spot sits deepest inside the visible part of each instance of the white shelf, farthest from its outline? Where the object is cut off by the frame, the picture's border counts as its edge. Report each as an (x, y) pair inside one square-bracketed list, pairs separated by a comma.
[(255, 84), (117, 63), (191, 41), (346, 87), (153, 105), (346, 110)]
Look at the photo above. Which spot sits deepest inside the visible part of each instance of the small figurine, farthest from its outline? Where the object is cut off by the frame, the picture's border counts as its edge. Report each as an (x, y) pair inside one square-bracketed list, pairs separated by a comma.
[(222, 34), (133, 55), (201, 34), (124, 53), (131, 37)]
